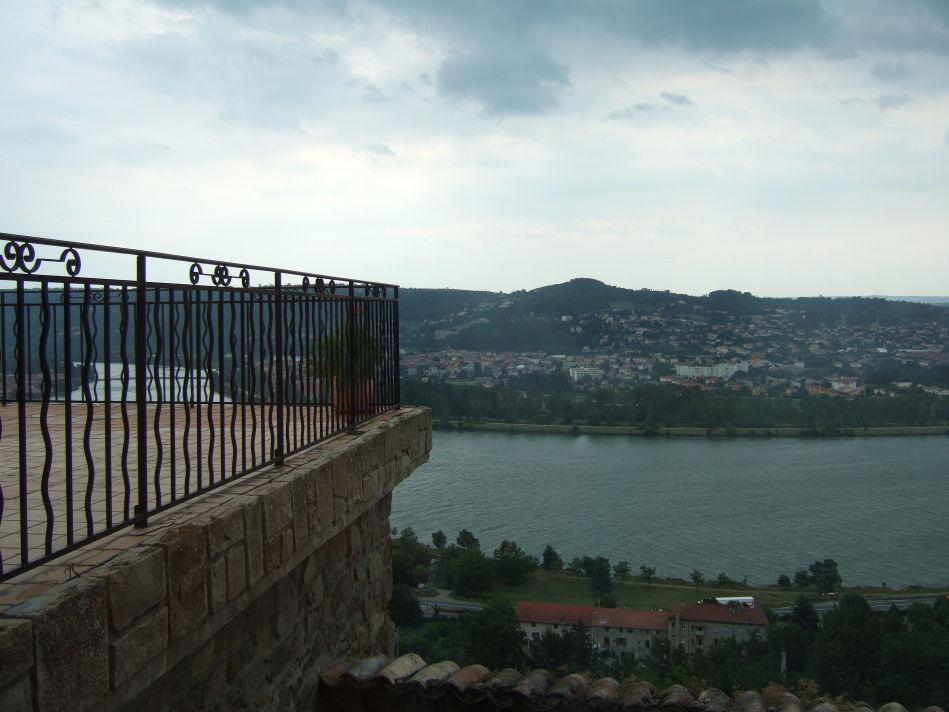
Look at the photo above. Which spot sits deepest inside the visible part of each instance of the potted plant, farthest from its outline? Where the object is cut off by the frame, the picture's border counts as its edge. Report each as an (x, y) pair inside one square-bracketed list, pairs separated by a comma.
[(349, 356)]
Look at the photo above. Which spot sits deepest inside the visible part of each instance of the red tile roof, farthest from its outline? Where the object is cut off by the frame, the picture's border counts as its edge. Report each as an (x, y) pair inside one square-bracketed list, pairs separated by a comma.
[(566, 614), (733, 613)]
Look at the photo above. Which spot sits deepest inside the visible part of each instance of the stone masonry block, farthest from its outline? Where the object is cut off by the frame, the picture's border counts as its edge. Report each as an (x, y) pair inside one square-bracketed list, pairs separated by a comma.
[(236, 572), (277, 509), (18, 697), (136, 647), (225, 530), (70, 634), (16, 648), (218, 583), (301, 529), (254, 542), (187, 578), (135, 580)]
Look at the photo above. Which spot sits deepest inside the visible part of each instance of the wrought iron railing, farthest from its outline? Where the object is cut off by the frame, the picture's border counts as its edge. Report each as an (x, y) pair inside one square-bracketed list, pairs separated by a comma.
[(132, 381)]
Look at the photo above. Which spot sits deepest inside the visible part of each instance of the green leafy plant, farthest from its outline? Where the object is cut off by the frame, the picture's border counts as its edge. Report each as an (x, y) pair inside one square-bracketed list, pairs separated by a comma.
[(348, 352)]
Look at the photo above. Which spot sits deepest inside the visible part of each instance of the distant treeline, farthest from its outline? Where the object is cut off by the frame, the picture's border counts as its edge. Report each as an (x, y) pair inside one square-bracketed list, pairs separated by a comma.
[(551, 400)]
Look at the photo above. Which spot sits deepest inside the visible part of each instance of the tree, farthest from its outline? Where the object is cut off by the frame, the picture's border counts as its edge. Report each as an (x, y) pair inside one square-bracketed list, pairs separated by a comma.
[(647, 572), (493, 635), (471, 573), (608, 600), (439, 539), (404, 607), (622, 570), (802, 579), (576, 567), (467, 540), (824, 575), (600, 576), (784, 581), (804, 614), (550, 559), (512, 564), (846, 652), (698, 578)]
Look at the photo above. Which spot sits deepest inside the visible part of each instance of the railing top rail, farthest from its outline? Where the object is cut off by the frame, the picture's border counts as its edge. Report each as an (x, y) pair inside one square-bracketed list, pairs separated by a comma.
[(52, 242)]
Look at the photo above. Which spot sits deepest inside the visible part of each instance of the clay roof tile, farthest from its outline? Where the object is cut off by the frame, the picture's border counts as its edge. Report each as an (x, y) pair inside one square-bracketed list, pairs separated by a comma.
[(434, 674), (400, 669), (468, 676)]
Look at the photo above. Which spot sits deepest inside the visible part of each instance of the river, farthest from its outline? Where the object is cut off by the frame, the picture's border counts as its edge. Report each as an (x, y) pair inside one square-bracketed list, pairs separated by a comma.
[(749, 507)]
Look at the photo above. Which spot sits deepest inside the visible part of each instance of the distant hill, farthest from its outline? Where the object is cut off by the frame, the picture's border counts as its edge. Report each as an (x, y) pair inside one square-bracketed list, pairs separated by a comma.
[(585, 295), (936, 301)]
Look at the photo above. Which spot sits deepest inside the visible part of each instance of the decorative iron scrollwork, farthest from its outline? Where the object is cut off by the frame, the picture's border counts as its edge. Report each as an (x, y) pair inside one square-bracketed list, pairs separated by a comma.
[(21, 257), (220, 276)]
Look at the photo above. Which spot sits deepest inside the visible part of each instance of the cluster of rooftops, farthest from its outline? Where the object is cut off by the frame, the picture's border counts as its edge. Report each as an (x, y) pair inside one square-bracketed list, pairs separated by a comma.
[(409, 683)]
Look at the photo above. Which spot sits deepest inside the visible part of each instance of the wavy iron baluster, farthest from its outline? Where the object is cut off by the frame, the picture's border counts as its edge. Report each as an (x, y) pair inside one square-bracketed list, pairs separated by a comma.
[(158, 330), (89, 353), (44, 418), (124, 378)]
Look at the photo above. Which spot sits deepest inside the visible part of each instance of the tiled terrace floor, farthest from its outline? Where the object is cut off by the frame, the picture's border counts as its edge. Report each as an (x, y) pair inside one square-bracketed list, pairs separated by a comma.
[(187, 448)]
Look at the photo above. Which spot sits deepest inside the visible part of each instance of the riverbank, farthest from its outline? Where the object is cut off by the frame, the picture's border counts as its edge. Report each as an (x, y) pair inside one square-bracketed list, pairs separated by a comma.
[(564, 587), (878, 431)]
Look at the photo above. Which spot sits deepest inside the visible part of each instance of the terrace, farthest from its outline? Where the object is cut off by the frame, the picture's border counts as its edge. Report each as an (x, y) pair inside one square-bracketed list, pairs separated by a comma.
[(134, 381)]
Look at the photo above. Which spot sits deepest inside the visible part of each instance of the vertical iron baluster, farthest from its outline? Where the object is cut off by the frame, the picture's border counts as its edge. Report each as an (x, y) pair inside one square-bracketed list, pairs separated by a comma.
[(199, 393), (209, 348), (173, 367), (20, 329), (220, 379), (124, 378), (308, 371), (232, 312), (159, 394), (252, 368), (107, 419), (29, 352), (322, 398), (3, 341), (141, 392), (244, 369), (351, 310), (44, 417), (290, 387), (67, 390), (395, 349), (189, 393), (277, 356), (266, 384), (88, 353)]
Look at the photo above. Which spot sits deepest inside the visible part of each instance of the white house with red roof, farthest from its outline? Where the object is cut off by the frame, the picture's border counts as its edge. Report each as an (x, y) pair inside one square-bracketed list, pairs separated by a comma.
[(616, 632)]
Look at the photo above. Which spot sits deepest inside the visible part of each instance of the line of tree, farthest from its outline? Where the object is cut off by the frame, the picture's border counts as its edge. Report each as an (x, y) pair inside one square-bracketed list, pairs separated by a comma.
[(553, 400), (851, 652)]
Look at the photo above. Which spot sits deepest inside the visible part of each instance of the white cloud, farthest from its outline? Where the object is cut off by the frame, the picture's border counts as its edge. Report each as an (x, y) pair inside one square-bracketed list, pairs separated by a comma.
[(439, 145)]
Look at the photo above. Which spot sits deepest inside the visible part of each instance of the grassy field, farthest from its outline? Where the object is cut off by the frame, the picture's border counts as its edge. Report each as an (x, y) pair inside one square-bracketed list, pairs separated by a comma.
[(896, 430), (562, 587)]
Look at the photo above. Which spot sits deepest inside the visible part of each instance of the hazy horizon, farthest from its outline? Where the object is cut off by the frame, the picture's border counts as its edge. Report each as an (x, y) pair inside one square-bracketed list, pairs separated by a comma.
[(793, 147)]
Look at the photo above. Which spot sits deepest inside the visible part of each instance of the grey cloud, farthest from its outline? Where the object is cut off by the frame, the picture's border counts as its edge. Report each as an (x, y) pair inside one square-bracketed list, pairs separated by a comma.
[(372, 94), (891, 101), (891, 71), (677, 99), (379, 149), (632, 112), (501, 84)]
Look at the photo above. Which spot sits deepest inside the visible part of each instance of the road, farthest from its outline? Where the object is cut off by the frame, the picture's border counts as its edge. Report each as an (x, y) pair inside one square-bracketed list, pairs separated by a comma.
[(879, 606)]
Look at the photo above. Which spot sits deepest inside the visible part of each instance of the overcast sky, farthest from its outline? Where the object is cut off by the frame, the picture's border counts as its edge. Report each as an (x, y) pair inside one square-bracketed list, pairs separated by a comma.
[(783, 147)]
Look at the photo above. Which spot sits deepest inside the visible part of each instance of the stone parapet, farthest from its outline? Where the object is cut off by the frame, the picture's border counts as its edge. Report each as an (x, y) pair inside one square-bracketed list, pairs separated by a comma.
[(236, 599)]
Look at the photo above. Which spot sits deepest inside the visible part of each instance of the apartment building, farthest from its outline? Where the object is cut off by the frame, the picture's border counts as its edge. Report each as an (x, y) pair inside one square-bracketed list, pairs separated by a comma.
[(697, 626), (615, 632)]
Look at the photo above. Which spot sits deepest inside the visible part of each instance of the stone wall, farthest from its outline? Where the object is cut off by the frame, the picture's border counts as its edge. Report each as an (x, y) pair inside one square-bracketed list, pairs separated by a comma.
[(236, 600)]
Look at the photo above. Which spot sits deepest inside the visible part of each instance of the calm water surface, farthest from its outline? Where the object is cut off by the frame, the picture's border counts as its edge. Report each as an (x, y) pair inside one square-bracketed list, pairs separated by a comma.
[(748, 507)]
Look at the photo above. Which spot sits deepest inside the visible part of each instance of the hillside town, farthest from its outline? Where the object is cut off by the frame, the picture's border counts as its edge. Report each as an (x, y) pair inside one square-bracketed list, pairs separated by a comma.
[(777, 353)]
